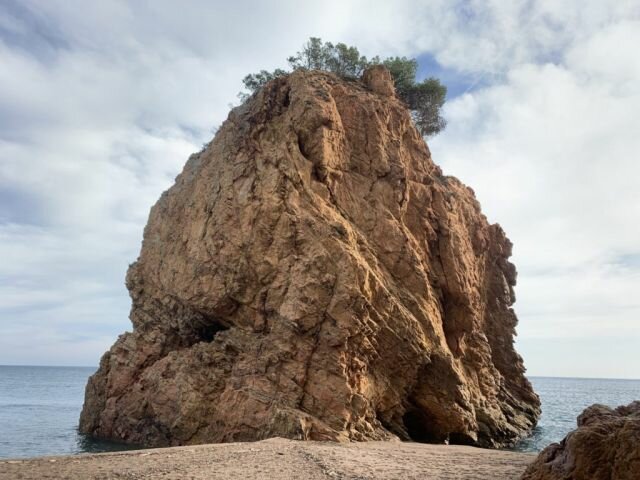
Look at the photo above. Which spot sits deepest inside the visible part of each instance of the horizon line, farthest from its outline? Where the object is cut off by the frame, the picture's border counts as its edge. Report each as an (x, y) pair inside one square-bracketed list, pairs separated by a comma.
[(528, 376)]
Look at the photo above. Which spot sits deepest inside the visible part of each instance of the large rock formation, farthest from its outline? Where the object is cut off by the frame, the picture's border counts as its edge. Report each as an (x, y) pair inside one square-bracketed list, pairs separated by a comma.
[(606, 446), (312, 274)]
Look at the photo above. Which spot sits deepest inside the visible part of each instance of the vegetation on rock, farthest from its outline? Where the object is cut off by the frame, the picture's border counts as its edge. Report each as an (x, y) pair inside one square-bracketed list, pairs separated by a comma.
[(425, 99)]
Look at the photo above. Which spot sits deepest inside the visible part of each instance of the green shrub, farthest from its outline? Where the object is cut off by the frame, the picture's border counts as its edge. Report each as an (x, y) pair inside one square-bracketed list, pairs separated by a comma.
[(424, 99)]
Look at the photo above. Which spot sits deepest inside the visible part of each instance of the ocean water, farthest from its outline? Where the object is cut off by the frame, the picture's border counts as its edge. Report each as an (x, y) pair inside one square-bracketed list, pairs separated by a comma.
[(39, 412), (40, 407), (563, 399)]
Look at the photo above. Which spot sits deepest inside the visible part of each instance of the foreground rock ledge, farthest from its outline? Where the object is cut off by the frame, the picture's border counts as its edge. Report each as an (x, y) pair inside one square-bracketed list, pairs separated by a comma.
[(312, 274), (606, 446)]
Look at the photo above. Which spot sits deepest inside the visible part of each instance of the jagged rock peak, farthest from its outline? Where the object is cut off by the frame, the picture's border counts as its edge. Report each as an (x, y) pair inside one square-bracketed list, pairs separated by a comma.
[(379, 80), (312, 274)]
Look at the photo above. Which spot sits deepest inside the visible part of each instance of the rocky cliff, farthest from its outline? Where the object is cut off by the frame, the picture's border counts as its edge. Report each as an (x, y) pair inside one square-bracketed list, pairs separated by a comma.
[(313, 274)]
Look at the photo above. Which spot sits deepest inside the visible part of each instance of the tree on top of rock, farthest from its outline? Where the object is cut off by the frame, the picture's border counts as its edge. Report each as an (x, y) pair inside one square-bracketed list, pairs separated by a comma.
[(425, 99)]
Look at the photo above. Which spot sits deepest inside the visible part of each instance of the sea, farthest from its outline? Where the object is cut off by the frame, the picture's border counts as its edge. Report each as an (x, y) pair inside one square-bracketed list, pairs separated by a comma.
[(40, 407)]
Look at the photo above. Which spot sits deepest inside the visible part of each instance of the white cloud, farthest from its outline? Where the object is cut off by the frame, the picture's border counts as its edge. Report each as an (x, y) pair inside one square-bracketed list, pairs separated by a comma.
[(551, 152), (101, 105)]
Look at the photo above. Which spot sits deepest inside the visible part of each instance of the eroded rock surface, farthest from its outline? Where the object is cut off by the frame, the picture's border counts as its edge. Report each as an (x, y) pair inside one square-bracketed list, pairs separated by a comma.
[(313, 274), (605, 446)]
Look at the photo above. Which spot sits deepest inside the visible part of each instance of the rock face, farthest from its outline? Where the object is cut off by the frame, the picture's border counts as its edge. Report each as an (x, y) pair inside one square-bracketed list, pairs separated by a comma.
[(606, 446), (313, 274)]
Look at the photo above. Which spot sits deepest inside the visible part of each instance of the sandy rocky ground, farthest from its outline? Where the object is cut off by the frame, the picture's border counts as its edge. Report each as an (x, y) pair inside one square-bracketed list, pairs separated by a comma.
[(280, 459)]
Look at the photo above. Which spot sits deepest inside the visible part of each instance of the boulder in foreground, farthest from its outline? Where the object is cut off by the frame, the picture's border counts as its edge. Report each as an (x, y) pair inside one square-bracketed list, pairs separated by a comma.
[(313, 274), (605, 446)]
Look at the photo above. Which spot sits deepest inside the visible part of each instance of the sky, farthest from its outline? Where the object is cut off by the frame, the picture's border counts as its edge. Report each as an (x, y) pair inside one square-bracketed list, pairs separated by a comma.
[(101, 103)]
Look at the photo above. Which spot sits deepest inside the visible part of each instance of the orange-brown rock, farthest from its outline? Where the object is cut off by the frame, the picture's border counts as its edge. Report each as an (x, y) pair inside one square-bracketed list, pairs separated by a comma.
[(313, 274), (605, 446)]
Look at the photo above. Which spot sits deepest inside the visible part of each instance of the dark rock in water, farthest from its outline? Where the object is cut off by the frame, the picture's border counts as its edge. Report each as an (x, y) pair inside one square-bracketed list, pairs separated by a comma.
[(605, 446), (313, 274)]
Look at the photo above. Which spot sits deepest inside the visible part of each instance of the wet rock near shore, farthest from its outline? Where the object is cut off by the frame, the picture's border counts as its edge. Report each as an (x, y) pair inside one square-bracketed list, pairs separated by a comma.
[(605, 446)]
